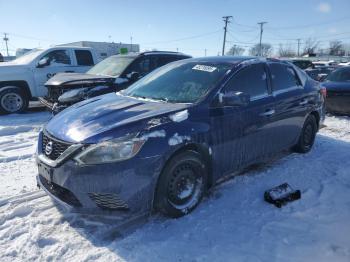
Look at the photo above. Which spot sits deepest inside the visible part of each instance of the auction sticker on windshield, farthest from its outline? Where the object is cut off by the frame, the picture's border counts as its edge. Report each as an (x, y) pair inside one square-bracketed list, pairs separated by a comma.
[(204, 68)]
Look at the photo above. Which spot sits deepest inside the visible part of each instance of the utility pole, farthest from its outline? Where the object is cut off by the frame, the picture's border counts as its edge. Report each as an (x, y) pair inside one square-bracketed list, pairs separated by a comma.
[(298, 46), (226, 20), (261, 32), (130, 43), (6, 39)]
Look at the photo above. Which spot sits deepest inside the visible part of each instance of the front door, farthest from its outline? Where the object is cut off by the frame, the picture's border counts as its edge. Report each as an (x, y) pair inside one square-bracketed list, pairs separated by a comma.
[(58, 61)]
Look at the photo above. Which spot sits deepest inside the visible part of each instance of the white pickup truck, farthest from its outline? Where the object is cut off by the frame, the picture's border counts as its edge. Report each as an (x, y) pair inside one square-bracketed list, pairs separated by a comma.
[(23, 79)]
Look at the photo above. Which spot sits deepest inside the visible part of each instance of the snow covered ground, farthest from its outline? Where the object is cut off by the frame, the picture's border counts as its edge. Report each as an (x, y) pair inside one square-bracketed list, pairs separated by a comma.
[(233, 224)]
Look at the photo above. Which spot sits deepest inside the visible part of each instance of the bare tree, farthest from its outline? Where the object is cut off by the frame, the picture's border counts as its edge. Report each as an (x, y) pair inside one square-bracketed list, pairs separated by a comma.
[(235, 50), (286, 50), (310, 46), (266, 49), (336, 48)]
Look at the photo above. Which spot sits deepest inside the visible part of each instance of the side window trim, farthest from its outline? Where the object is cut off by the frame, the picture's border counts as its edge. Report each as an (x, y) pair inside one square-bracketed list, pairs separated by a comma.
[(278, 92), (66, 51), (256, 97), (286, 90)]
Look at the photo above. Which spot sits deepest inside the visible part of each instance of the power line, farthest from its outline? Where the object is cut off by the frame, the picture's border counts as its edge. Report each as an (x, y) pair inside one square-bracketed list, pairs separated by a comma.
[(248, 26), (182, 39), (226, 20), (309, 25), (240, 41)]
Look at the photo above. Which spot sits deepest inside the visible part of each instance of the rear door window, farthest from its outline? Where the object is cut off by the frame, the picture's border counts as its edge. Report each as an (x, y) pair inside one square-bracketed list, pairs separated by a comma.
[(165, 59), (84, 57), (283, 77), (141, 65), (251, 80)]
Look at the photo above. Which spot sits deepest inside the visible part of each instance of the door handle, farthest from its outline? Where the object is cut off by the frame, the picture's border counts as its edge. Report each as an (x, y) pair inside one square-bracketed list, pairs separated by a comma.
[(69, 71), (303, 102), (268, 112)]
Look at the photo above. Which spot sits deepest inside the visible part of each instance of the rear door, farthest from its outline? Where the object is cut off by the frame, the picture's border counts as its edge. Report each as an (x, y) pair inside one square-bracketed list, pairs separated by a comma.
[(243, 134), (84, 61), (291, 104)]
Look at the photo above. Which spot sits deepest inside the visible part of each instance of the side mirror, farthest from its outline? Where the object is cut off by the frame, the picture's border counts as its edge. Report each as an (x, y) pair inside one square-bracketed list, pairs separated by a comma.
[(43, 62), (133, 76), (235, 99)]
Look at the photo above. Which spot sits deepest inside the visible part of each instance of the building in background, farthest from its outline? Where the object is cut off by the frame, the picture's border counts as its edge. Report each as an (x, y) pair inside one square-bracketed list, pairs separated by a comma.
[(105, 49)]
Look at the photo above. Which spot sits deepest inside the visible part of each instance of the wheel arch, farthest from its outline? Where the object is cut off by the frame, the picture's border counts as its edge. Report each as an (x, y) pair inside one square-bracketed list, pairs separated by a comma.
[(317, 116), (202, 149), (20, 83)]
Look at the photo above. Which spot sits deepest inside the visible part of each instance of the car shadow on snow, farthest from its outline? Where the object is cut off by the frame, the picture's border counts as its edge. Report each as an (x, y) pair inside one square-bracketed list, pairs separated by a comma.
[(234, 221)]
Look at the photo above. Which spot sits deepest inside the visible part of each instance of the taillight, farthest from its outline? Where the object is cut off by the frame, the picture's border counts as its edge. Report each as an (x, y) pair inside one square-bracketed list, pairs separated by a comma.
[(323, 91)]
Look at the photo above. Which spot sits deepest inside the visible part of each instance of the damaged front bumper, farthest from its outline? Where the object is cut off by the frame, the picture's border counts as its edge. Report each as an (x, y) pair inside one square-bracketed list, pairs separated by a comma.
[(122, 188), (55, 107)]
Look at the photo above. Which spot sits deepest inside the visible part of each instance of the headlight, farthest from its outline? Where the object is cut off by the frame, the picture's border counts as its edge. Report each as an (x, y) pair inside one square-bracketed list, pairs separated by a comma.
[(109, 151), (72, 95)]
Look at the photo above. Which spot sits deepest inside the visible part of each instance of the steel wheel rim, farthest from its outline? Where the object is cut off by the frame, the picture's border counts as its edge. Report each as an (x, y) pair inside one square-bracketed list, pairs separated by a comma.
[(185, 187), (308, 135), (11, 102)]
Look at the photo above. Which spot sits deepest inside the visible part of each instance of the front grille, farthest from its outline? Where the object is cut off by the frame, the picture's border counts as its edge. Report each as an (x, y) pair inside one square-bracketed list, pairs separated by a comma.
[(58, 147), (54, 93), (61, 193), (108, 201)]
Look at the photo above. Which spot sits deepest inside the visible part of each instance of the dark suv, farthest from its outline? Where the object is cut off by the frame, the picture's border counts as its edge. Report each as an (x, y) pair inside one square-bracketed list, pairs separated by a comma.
[(110, 75), (162, 142)]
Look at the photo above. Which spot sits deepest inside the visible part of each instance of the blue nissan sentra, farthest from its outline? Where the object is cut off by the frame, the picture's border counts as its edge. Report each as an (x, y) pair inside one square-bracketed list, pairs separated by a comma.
[(164, 141)]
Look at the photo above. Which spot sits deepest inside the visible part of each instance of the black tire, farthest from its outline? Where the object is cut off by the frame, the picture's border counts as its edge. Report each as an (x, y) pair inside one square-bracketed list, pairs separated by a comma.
[(13, 100), (307, 136), (181, 185)]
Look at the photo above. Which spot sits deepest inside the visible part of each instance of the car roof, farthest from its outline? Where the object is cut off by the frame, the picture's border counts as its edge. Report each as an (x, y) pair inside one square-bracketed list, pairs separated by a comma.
[(136, 54), (225, 59)]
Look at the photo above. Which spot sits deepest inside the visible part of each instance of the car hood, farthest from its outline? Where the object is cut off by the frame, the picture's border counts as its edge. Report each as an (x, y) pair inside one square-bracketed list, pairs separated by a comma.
[(106, 117), (336, 86), (12, 68), (77, 78)]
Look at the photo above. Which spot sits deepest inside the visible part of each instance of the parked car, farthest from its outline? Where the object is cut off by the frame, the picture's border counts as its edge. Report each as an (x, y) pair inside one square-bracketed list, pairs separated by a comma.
[(1, 58), (318, 64), (23, 79), (110, 75), (320, 73), (337, 85), (344, 64), (303, 63), (162, 142)]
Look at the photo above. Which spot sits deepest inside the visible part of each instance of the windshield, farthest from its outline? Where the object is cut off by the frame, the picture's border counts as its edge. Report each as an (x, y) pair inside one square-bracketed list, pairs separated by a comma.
[(179, 82), (340, 75), (111, 66), (28, 57)]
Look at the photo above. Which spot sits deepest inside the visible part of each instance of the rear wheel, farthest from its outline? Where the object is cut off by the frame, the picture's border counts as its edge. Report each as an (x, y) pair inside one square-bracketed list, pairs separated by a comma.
[(181, 185), (307, 136), (13, 100)]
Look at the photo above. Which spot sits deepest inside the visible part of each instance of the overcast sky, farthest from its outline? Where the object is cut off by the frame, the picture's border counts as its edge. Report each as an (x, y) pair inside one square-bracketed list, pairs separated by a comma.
[(187, 25)]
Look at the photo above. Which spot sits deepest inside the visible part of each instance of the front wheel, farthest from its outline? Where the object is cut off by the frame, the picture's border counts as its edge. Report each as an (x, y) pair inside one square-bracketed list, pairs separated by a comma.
[(181, 185), (307, 136), (13, 100)]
